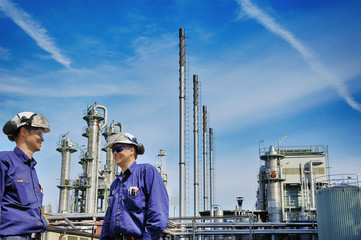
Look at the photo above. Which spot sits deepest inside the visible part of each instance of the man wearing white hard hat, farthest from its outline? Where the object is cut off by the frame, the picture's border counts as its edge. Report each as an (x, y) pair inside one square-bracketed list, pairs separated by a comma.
[(138, 200), (20, 192)]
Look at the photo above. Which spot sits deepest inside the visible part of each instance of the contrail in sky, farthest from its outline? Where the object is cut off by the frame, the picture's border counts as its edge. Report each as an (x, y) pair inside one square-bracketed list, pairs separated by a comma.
[(269, 23), (34, 30)]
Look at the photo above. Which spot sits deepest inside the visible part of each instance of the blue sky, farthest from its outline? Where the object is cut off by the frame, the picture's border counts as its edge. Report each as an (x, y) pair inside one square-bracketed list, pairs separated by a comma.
[(267, 69)]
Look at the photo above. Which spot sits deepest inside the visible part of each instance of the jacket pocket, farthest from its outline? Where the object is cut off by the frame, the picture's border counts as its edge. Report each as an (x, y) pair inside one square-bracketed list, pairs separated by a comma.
[(23, 192), (135, 203)]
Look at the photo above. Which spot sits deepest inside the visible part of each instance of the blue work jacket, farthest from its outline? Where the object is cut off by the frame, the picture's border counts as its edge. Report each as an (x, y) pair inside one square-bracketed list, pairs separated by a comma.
[(21, 195), (138, 204)]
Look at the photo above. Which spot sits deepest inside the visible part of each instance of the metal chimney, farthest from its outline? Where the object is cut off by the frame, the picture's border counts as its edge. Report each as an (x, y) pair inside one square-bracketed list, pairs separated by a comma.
[(211, 168), (182, 96), (195, 122), (205, 178)]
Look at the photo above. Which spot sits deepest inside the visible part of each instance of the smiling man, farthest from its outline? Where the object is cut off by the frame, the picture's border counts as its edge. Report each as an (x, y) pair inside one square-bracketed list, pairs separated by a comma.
[(20, 192), (138, 200)]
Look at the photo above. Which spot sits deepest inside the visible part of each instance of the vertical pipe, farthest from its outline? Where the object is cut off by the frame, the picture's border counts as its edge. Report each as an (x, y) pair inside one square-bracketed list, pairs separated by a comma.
[(205, 178), (211, 168), (261, 189), (302, 190), (111, 167), (99, 148), (195, 127), (313, 205), (182, 96)]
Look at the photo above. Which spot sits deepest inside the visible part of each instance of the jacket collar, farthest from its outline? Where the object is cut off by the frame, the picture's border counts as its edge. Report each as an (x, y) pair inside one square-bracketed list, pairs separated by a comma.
[(24, 157)]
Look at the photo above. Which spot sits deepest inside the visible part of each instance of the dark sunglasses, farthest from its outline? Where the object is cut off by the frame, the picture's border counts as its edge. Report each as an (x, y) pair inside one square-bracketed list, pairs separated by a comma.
[(119, 148)]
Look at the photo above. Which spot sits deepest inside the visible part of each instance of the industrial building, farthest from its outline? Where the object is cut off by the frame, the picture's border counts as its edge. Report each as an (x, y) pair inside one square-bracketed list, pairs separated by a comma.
[(286, 182), (296, 196)]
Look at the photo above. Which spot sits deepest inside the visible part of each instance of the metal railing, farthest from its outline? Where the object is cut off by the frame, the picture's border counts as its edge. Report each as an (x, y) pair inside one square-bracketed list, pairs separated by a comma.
[(337, 180), (225, 227), (297, 149)]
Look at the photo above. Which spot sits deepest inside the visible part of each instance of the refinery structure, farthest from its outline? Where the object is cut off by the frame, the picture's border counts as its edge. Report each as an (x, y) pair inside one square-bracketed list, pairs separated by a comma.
[(90, 189), (297, 198)]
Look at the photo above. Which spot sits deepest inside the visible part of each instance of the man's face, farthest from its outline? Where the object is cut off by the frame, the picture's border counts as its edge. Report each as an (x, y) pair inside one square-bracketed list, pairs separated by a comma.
[(34, 138), (122, 154)]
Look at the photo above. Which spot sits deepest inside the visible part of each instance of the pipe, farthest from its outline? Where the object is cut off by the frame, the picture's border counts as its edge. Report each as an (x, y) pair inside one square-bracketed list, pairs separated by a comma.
[(99, 148), (205, 178), (211, 168), (111, 166), (182, 96), (195, 131), (302, 186)]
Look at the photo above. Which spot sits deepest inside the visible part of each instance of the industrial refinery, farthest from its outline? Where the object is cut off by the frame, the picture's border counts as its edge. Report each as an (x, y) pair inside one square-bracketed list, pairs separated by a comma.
[(297, 198)]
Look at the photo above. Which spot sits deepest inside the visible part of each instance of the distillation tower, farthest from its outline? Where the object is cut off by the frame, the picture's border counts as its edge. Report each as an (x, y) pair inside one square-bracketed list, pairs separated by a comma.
[(286, 188), (271, 177), (161, 165), (66, 148), (91, 187)]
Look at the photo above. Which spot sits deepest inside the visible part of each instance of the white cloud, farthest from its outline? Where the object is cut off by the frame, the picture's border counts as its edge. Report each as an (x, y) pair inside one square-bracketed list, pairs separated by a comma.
[(4, 53), (270, 24), (34, 30)]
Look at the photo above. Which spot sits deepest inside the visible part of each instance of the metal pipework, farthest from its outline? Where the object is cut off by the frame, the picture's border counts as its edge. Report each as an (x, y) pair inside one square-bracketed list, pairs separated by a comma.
[(261, 190), (93, 155), (216, 211), (205, 178), (211, 168), (99, 148), (310, 165), (182, 98), (66, 148), (111, 168), (195, 126)]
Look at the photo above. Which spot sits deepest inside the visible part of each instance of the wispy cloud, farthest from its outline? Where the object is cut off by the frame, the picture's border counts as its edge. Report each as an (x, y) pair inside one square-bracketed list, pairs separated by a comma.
[(269, 23), (34, 30), (4, 53)]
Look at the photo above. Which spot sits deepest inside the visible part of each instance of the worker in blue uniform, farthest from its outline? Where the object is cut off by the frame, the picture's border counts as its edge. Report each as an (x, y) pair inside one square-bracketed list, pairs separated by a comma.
[(138, 200), (20, 192)]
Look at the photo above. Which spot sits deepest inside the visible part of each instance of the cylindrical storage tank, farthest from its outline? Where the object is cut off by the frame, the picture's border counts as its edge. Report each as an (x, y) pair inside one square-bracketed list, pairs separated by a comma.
[(339, 212)]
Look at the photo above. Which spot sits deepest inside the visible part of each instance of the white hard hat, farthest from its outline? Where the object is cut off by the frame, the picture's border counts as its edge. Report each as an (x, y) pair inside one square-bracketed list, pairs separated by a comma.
[(25, 119), (126, 138)]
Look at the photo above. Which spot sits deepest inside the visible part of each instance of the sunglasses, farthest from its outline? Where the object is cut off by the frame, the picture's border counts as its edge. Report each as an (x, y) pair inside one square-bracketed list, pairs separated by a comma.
[(38, 131), (119, 148)]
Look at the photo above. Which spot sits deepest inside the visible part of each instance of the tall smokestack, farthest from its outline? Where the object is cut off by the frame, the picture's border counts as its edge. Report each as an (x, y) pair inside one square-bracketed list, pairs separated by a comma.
[(211, 169), (195, 115), (182, 96), (205, 178)]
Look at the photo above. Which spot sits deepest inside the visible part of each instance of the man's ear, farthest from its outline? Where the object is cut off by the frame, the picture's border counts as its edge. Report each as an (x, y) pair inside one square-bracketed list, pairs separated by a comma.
[(23, 131)]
